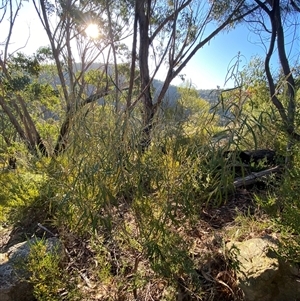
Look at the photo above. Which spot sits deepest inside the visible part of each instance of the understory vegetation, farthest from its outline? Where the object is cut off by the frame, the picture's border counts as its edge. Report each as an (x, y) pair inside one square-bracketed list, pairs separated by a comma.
[(144, 188), (131, 219)]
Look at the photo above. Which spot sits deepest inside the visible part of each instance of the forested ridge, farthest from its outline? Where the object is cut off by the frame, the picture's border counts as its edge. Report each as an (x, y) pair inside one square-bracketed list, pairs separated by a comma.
[(143, 183)]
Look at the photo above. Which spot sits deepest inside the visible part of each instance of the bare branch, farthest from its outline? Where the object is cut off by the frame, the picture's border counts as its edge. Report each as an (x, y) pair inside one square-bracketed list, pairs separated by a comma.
[(295, 6), (171, 17)]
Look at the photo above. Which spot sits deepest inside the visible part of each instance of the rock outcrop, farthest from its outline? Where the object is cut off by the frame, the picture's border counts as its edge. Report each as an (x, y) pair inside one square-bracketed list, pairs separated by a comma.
[(261, 274), (13, 284)]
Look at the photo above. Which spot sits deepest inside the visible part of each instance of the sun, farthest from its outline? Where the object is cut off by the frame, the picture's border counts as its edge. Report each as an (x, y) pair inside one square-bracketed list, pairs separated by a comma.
[(92, 31)]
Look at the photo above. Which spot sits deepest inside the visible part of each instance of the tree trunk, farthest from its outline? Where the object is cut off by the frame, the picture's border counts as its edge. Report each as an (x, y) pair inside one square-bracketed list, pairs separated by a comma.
[(277, 36), (143, 14), (30, 136), (290, 82)]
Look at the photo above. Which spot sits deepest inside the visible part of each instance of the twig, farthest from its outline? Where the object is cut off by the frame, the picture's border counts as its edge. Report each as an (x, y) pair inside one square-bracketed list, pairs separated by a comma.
[(45, 229), (254, 176)]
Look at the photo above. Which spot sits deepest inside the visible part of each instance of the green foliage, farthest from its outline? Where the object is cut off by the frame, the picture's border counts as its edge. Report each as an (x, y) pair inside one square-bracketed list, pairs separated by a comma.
[(104, 176), (28, 101), (168, 254), (222, 9), (19, 192), (24, 63), (133, 201), (194, 112), (44, 54), (104, 269), (106, 189), (51, 282), (247, 226), (248, 114), (19, 72), (283, 206)]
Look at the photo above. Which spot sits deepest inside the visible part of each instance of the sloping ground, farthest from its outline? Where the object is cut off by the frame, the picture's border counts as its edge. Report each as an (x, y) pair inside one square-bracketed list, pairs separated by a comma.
[(123, 272), (215, 276), (134, 279)]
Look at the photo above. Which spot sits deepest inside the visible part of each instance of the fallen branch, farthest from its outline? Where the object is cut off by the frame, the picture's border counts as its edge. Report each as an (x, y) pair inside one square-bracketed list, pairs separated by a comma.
[(255, 176)]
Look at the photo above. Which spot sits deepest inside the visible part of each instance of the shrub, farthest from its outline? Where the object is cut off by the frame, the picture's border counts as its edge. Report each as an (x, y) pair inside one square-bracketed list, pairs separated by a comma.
[(51, 282)]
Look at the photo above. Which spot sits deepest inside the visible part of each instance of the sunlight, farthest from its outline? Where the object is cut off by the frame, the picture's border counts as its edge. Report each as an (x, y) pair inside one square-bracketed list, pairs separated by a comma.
[(92, 31)]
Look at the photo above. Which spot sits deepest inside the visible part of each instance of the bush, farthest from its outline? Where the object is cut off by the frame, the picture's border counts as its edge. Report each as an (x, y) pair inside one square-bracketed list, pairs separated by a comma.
[(51, 282), (283, 205), (19, 191)]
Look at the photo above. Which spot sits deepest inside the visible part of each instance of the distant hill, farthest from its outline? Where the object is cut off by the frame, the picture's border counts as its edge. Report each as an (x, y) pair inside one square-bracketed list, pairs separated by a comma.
[(172, 94), (209, 95)]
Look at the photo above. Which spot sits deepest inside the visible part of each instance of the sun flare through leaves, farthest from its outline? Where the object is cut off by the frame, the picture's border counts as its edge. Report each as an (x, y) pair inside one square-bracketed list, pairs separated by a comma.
[(92, 31)]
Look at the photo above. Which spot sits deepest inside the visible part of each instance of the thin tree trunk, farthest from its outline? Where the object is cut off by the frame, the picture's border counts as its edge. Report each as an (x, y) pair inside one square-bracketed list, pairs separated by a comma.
[(290, 82), (277, 35), (27, 132), (114, 52), (143, 14), (37, 141)]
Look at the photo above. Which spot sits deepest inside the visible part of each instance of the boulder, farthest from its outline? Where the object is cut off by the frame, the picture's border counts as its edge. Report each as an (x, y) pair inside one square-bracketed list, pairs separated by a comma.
[(262, 276), (13, 284)]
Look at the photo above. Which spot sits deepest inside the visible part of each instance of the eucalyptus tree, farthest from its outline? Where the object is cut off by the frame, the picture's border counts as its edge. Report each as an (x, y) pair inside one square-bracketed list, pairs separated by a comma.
[(72, 53), (65, 23), (278, 13), (275, 22), (15, 73), (166, 35)]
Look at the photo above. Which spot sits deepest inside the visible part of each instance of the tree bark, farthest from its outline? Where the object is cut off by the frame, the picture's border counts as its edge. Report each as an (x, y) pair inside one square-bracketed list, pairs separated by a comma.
[(277, 35), (143, 8), (177, 59), (30, 136)]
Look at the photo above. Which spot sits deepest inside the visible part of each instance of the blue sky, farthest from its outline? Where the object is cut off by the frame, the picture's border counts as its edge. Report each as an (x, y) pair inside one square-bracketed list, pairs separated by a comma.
[(210, 65), (206, 70)]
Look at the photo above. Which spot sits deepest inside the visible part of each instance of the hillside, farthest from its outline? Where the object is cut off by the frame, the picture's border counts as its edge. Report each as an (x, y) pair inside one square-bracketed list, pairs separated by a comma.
[(172, 94)]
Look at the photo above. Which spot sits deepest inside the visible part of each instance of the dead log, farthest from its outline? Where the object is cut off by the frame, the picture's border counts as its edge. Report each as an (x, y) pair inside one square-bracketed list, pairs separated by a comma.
[(254, 177), (267, 156)]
